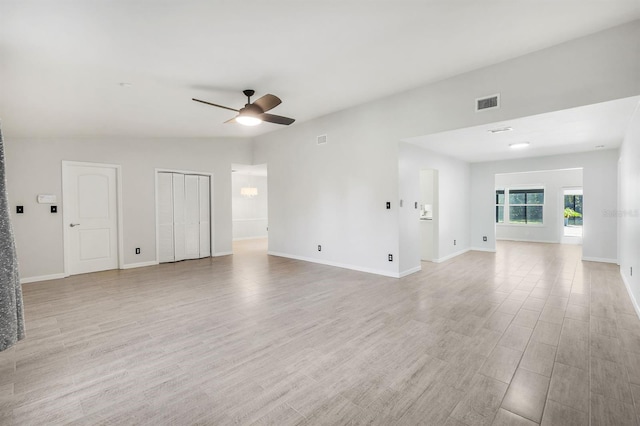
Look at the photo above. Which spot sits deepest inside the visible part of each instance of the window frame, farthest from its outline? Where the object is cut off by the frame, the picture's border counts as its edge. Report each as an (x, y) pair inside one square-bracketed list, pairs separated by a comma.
[(499, 204), (507, 204)]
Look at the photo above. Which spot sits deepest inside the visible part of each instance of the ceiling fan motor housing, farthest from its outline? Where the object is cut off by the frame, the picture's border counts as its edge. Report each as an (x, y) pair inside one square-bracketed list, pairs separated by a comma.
[(251, 109)]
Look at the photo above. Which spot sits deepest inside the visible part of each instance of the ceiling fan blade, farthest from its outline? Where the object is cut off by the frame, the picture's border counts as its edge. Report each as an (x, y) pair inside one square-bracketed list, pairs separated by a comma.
[(232, 120), (268, 102), (215, 105), (277, 119)]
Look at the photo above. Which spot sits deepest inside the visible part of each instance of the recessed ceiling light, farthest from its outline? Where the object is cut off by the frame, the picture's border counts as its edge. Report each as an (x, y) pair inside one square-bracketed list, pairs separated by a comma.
[(599, 146), (500, 130), (125, 84), (519, 145)]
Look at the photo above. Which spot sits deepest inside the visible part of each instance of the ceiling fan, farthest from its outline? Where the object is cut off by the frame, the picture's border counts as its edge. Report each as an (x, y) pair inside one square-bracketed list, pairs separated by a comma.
[(255, 113)]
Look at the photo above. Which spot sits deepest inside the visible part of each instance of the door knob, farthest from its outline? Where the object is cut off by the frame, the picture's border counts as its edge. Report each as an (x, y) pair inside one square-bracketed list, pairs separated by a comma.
[(74, 224)]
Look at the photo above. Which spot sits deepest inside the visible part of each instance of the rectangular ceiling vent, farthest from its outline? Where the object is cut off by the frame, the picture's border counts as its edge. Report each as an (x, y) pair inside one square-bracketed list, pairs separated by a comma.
[(321, 140), (488, 102)]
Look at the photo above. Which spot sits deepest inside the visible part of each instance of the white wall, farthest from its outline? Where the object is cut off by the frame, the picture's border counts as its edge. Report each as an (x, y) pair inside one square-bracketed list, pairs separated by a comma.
[(249, 214), (450, 219), (599, 180), (334, 194), (553, 183), (34, 167), (629, 209)]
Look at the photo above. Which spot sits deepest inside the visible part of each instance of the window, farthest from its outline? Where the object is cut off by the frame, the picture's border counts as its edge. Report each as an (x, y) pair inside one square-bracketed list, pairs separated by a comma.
[(523, 206), (500, 206)]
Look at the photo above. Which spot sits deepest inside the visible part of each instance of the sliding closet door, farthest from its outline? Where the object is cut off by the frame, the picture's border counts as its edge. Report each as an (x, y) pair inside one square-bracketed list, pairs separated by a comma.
[(205, 216), (192, 216), (178, 217), (165, 217)]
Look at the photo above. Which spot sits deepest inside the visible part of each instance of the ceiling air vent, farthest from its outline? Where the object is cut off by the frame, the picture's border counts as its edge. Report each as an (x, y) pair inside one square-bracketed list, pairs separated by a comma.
[(321, 140), (488, 102)]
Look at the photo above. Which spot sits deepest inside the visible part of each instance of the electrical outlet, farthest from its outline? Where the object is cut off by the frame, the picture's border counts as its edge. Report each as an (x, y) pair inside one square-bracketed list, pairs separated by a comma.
[(319, 247), (137, 250), (416, 205), (390, 258), (454, 242), (401, 202), (388, 205), (484, 238), (631, 271)]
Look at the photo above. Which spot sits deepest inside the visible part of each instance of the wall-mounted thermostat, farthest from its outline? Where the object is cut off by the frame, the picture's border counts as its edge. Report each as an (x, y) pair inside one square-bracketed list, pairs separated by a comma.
[(46, 198)]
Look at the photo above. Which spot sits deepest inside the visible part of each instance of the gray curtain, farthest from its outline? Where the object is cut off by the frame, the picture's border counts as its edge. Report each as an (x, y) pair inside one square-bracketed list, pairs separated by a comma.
[(11, 310)]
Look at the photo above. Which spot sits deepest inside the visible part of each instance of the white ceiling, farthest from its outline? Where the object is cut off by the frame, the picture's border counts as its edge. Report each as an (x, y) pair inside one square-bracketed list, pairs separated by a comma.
[(61, 62), (560, 132)]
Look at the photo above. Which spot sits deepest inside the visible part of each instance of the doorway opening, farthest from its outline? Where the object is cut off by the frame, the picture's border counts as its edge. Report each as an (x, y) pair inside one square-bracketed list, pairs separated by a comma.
[(429, 215), (573, 212), (250, 208)]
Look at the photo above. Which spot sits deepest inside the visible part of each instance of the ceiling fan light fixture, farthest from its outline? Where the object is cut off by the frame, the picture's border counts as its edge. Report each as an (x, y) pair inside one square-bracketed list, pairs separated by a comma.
[(249, 115), (518, 145), (255, 112), (248, 120)]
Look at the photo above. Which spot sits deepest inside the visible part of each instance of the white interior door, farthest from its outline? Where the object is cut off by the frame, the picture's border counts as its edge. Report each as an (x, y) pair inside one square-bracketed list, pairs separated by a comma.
[(191, 217), (183, 216), (205, 216), (91, 216), (178, 217)]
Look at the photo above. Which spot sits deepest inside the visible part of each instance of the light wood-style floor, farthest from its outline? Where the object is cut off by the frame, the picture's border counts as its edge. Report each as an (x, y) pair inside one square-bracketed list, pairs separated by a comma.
[(528, 335)]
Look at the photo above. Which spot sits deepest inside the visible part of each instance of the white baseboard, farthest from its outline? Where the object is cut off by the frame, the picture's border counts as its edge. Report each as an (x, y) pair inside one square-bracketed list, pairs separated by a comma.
[(528, 241), (451, 256), (257, 237), (634, 302), (42, 278), (337, 265), (599, 259), (410, 271), (488, 250), (140, 264), (222, 253)]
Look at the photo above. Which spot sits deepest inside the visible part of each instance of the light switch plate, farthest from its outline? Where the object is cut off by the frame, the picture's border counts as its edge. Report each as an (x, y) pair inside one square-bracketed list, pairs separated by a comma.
[(46, 198)]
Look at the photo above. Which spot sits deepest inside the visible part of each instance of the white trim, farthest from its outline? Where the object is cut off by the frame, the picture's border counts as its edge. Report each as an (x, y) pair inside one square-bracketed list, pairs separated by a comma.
[(140, 264), (119, 207), (488, 250), (222, 253), (451, 256), (257, 237), (634, 302), (42, 278), (530, 225), (599, 259), (410, 271), (335, 264), (528, 241)]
